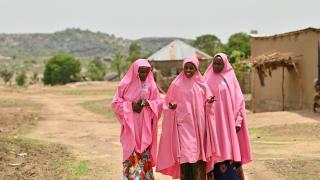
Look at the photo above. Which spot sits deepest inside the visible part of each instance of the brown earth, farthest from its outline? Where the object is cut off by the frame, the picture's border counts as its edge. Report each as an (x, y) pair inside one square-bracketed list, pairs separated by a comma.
[(23, 158), (284, 143)]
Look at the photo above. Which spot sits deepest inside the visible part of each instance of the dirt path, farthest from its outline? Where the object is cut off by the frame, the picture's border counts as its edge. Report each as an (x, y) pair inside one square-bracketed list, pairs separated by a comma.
[(90, 136)]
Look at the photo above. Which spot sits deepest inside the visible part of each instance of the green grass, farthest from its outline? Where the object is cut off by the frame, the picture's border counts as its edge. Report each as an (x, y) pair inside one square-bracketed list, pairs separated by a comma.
[(101, 107), (20, 103), (81, 168)]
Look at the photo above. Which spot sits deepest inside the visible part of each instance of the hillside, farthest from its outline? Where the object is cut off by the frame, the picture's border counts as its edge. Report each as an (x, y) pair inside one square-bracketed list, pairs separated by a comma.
[(81, 43)]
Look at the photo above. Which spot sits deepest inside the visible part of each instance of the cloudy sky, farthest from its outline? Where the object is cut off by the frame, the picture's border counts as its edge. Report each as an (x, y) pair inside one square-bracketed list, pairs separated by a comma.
[(134, 19)]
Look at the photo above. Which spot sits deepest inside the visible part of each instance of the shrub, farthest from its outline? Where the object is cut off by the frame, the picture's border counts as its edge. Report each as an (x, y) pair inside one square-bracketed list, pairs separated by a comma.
[(62, 69)]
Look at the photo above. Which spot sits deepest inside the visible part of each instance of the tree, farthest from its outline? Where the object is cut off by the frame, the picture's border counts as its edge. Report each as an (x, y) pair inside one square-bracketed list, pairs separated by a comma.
[(134, 52), (97, 70), (62, 69), (6, 75), (120, 64), (208, 43), (21, 79), (239, 42)]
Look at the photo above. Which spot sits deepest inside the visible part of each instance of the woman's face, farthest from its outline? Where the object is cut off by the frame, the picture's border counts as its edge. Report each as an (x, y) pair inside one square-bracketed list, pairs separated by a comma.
[(217, 64), (143, 73), (189, 69)]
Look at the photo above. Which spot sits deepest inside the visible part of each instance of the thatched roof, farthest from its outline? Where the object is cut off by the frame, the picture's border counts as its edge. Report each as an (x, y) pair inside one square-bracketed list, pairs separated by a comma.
[(275, 59), (269, 62)]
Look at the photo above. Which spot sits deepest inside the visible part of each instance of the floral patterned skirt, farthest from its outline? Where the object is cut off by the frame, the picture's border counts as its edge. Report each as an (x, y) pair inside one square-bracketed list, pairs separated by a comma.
[(138, 167)]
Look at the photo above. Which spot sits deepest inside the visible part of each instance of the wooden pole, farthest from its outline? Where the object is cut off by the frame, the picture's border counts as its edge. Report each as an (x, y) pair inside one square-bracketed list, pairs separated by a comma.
[(253, 94), (300, 95), (282, 88)]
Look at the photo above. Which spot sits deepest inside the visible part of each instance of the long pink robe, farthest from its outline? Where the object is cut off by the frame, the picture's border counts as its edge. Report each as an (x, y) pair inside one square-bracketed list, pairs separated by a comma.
[(138, 130), (229, 113), (187, 134)]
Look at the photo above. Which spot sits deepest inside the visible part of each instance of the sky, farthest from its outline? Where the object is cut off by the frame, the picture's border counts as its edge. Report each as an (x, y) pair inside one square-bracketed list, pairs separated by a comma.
[(134, 19)]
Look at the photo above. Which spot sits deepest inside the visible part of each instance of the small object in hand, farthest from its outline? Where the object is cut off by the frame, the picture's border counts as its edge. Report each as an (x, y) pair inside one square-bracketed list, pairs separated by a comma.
[(143, 103)]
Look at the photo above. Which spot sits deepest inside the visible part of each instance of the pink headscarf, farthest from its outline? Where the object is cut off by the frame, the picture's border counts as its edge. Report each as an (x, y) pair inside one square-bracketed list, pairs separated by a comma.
[(238, 104), (129, 90), (191, 96)]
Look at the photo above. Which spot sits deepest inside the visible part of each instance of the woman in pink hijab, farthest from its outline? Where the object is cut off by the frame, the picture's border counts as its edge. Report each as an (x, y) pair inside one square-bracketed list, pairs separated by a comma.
[(230, 119), (137, 106), (187, 142)]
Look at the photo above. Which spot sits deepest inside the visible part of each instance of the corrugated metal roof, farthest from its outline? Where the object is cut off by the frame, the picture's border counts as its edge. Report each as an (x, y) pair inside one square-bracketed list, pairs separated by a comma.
[(177, 50)]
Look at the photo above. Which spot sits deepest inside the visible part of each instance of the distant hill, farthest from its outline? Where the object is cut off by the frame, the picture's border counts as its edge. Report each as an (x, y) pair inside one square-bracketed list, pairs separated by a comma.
[(81, 43)]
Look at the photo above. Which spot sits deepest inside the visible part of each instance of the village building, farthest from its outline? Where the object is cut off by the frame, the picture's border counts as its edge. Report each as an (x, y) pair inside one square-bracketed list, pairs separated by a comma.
[(285, 69)]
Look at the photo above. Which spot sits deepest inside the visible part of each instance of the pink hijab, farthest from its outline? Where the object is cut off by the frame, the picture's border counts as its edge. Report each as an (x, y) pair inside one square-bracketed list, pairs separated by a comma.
[(191, 96), (238, 106), (130, 90)]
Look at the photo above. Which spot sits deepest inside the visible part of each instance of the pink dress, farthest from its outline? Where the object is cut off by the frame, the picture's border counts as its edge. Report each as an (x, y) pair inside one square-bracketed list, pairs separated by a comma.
[(138, 130), (187, 134), (229, 113)]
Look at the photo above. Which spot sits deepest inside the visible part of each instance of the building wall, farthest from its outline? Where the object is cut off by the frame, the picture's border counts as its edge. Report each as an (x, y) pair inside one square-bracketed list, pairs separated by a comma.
[(298, 88)]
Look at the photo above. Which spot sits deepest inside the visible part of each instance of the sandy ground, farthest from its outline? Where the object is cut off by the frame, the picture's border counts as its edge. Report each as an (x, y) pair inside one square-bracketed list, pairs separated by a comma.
[(95, 137)]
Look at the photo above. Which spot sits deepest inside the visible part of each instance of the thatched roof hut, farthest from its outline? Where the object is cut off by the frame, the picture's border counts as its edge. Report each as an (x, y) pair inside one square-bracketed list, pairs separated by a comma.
[(272, 61), (287, 64), (269, 62)]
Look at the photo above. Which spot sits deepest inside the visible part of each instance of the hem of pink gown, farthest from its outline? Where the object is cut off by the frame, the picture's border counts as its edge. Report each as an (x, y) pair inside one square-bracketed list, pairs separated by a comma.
[(190, 159), (222, 159)]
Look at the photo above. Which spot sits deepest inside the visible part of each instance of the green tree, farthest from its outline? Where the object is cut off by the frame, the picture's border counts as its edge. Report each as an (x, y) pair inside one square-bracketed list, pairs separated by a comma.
[(208, 43), (97, 70), (61, 69), (238, 64), (6, 75), (239, 42), (134, 52), (21, 79), (120, 64), (236, 56)]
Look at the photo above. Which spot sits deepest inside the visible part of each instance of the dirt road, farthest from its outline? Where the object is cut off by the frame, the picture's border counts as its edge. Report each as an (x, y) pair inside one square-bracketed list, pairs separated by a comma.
[(95, 137)]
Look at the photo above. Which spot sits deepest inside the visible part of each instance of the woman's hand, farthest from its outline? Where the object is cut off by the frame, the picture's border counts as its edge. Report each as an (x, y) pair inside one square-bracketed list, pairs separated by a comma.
[(238, 129), (172, 106), (136, 107), (211, 100)]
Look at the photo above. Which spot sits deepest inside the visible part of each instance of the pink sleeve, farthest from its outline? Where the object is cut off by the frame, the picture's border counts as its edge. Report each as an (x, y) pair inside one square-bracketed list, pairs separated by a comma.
[(208, 95), (239, 118), (156, 102), (120, 106)]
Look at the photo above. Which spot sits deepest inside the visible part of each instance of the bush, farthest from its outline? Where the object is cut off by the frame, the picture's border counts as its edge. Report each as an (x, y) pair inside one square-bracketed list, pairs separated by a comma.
[(6, 75), (62, 69), (97, 70), (21, 79)]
